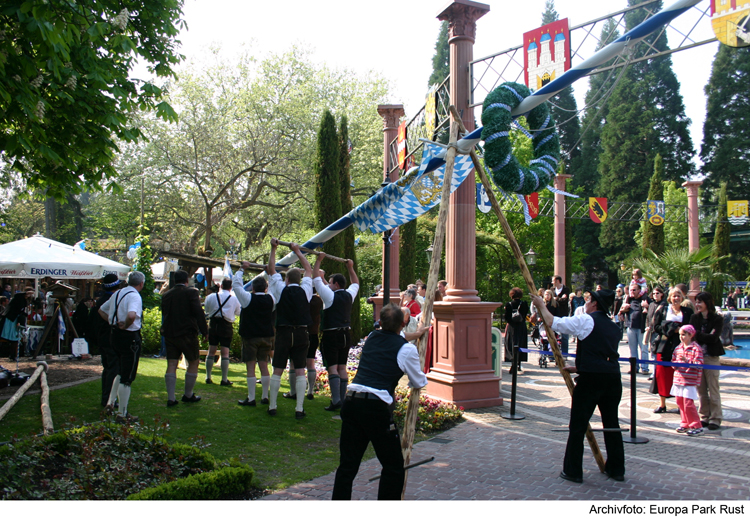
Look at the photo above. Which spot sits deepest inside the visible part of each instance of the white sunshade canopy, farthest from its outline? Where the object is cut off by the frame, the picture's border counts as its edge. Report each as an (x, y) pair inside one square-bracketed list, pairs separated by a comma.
[(38, 257)]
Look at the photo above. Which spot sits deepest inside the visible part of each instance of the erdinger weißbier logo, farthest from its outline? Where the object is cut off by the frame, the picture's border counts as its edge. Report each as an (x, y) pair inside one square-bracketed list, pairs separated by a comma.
[(547, 53), (731, 22)]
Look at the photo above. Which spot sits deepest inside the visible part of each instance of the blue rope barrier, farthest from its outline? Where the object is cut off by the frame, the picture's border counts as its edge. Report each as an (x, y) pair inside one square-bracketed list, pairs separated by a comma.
[(626, 359)]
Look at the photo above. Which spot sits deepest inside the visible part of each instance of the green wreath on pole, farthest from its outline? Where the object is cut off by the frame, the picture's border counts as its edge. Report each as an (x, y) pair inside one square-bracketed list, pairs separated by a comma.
[(507, 172)]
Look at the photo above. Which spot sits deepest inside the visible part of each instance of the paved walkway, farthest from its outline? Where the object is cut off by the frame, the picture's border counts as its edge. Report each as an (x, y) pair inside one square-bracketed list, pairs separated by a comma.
[(491, 458)]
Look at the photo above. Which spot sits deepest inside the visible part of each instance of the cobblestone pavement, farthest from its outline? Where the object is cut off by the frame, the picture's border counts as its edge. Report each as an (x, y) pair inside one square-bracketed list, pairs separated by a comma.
[(490, 458)]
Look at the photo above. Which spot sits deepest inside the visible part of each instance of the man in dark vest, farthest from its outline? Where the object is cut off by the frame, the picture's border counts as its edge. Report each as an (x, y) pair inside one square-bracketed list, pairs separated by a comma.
[(99, 330), (336, 326), (367, 413), (182, 319), (257, 331), (292, 321), (598, 382)]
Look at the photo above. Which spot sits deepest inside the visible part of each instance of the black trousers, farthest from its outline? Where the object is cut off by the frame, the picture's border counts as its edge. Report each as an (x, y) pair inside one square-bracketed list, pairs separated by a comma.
[(110, 369), (367, 421), (127, 347), (592, 390)]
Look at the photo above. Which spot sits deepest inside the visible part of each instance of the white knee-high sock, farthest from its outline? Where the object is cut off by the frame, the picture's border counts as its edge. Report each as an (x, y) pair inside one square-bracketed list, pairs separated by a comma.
[(190, 379), (113, 391), (224, 369), (171, 381), (123, 395), (301, 383), (292, 380), (265, 383), (274, 391), (209, 365), (312, 375), (251, 387)]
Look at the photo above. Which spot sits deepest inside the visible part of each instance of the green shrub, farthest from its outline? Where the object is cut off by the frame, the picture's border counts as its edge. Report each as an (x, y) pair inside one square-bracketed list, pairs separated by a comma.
[(103, 461), (228, 481), (150, 326), (366, 316)]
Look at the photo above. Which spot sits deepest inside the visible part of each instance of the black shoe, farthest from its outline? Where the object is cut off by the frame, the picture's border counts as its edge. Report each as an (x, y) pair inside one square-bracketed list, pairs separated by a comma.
[(288, 395), (109, 410), (171, 403), (227, 383), (264, 401), (661, 409), (299, 415), (209, 381), (119, 419), (616, 478), (272, 412), (712, 426), (704, 424), (310, 396), (570, 478), (333, 407), (193, 398), (246, 402)]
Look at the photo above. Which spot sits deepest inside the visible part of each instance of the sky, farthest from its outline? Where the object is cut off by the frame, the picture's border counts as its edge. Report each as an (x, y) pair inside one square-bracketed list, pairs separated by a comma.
[(396, 38)]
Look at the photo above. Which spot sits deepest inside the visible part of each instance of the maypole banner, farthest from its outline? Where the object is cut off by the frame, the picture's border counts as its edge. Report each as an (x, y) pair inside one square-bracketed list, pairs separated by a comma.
[(655, 211), (483, 201), (730, 20), (547, 54), (737, 212), (598, 209), (402, 145), (533, 202)]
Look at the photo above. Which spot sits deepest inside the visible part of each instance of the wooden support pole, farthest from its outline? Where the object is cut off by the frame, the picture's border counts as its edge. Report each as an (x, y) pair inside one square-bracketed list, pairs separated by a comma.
[(46, 412), (313, 252), (559, 360), (41, 366), (412, 409)]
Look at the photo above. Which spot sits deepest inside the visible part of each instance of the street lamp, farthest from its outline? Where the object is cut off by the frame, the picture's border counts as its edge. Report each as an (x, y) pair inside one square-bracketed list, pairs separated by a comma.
[(622, 272), (530, 258)]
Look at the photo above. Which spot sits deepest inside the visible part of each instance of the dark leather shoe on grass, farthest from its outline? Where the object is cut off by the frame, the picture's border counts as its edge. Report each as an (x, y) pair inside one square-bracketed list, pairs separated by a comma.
[(299, 415), (227, 383), (171, 403), (246, 402), (192, 398), (570, 478), (272, 412), (264, 401), (209, 381), (119, 419), (310, 396), (333, 407), (289, 395)]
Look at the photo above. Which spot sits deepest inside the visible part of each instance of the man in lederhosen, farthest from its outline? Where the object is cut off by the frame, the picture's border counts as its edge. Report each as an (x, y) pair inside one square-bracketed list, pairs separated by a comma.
[(221, 309), (124, 311), (257, 331), (292, 321), (99, 332), (336, 327)]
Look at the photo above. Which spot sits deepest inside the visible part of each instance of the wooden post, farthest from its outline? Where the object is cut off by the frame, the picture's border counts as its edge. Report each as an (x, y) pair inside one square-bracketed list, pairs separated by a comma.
[(412, 409), (46, 412), (41, 366), (559, 360), (313, 252)]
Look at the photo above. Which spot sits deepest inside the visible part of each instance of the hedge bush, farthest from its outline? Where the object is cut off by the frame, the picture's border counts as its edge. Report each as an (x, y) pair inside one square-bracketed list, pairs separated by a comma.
[(225, 482)]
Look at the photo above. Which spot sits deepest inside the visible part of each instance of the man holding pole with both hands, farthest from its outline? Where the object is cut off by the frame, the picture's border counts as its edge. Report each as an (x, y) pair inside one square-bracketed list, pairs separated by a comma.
[(598, 382)]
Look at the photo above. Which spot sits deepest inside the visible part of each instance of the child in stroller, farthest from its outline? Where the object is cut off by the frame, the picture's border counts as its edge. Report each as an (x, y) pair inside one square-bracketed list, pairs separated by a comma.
[(544, 359)]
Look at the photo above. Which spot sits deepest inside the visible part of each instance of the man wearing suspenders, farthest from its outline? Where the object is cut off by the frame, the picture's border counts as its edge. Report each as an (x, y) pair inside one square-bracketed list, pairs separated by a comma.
[(123, 312), (336, 327), (221, 309), (182, 319)]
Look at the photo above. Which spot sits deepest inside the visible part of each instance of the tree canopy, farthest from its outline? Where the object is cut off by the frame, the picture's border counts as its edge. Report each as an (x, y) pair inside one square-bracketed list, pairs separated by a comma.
[(66, 93)]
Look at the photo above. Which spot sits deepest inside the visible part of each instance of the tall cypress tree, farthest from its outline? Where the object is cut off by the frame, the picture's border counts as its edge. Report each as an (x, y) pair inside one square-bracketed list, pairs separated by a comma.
[(346, 206), (585, 168), (646, 116), (726, 131), (721, 244), (441, 60), (653, 236), (328, 187)]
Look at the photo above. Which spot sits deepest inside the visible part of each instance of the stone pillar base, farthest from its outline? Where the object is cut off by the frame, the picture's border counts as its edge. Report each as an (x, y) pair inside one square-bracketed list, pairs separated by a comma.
[(462, 367)]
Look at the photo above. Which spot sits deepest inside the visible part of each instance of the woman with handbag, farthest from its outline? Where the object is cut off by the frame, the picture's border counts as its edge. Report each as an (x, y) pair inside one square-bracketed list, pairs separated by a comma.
[(516, 332), (666, 323), (708, 325)]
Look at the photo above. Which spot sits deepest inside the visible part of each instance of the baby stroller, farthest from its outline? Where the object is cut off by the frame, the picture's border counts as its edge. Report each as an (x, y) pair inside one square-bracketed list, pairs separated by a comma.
[(544, 359)]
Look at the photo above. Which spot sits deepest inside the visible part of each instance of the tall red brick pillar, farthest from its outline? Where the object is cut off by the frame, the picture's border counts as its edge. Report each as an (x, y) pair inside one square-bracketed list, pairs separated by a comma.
[(693, 232), (462, 371), (560, 181), (391, 115)]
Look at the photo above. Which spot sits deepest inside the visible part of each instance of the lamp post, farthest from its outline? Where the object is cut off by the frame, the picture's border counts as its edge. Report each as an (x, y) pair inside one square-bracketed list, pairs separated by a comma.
[(622, 272), (530, 258)]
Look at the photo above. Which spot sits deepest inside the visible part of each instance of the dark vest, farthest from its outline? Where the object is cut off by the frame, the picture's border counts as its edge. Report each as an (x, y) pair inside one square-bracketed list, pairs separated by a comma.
[(101, 329), (378, 365), (339, 314), (293, 308), (256, 320), (597, 353)]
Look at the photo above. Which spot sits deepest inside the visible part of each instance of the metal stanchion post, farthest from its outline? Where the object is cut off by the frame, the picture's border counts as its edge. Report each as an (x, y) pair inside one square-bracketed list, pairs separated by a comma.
[(513, 416), (633, 439)]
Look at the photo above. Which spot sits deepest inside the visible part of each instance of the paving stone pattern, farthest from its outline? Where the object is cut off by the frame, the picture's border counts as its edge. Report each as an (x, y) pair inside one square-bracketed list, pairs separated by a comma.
[(490, 458)]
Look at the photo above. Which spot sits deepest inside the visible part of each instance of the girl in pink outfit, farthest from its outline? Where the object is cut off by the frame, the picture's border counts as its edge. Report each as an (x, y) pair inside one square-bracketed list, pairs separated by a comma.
[(639, 281), (686, 381)]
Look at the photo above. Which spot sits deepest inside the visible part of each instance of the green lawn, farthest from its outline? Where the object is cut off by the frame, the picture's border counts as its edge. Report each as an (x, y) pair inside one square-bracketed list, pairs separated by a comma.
[(281, 449)]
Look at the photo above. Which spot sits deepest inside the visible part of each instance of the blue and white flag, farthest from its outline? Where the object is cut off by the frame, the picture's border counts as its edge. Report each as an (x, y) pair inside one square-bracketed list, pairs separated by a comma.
[(483, 201), (60, 325), (227, 268)]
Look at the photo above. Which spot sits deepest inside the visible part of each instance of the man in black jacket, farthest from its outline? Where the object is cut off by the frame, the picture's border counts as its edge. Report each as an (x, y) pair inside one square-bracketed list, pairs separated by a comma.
[(182, 319), (598, 382)]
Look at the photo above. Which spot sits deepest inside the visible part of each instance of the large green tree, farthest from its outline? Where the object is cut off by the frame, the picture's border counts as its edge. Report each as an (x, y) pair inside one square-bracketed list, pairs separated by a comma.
[(66, 93), (441, 67), (726, 132), (328, 187), (646, 116), (345, 183), (653, 236), (721, 245)]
